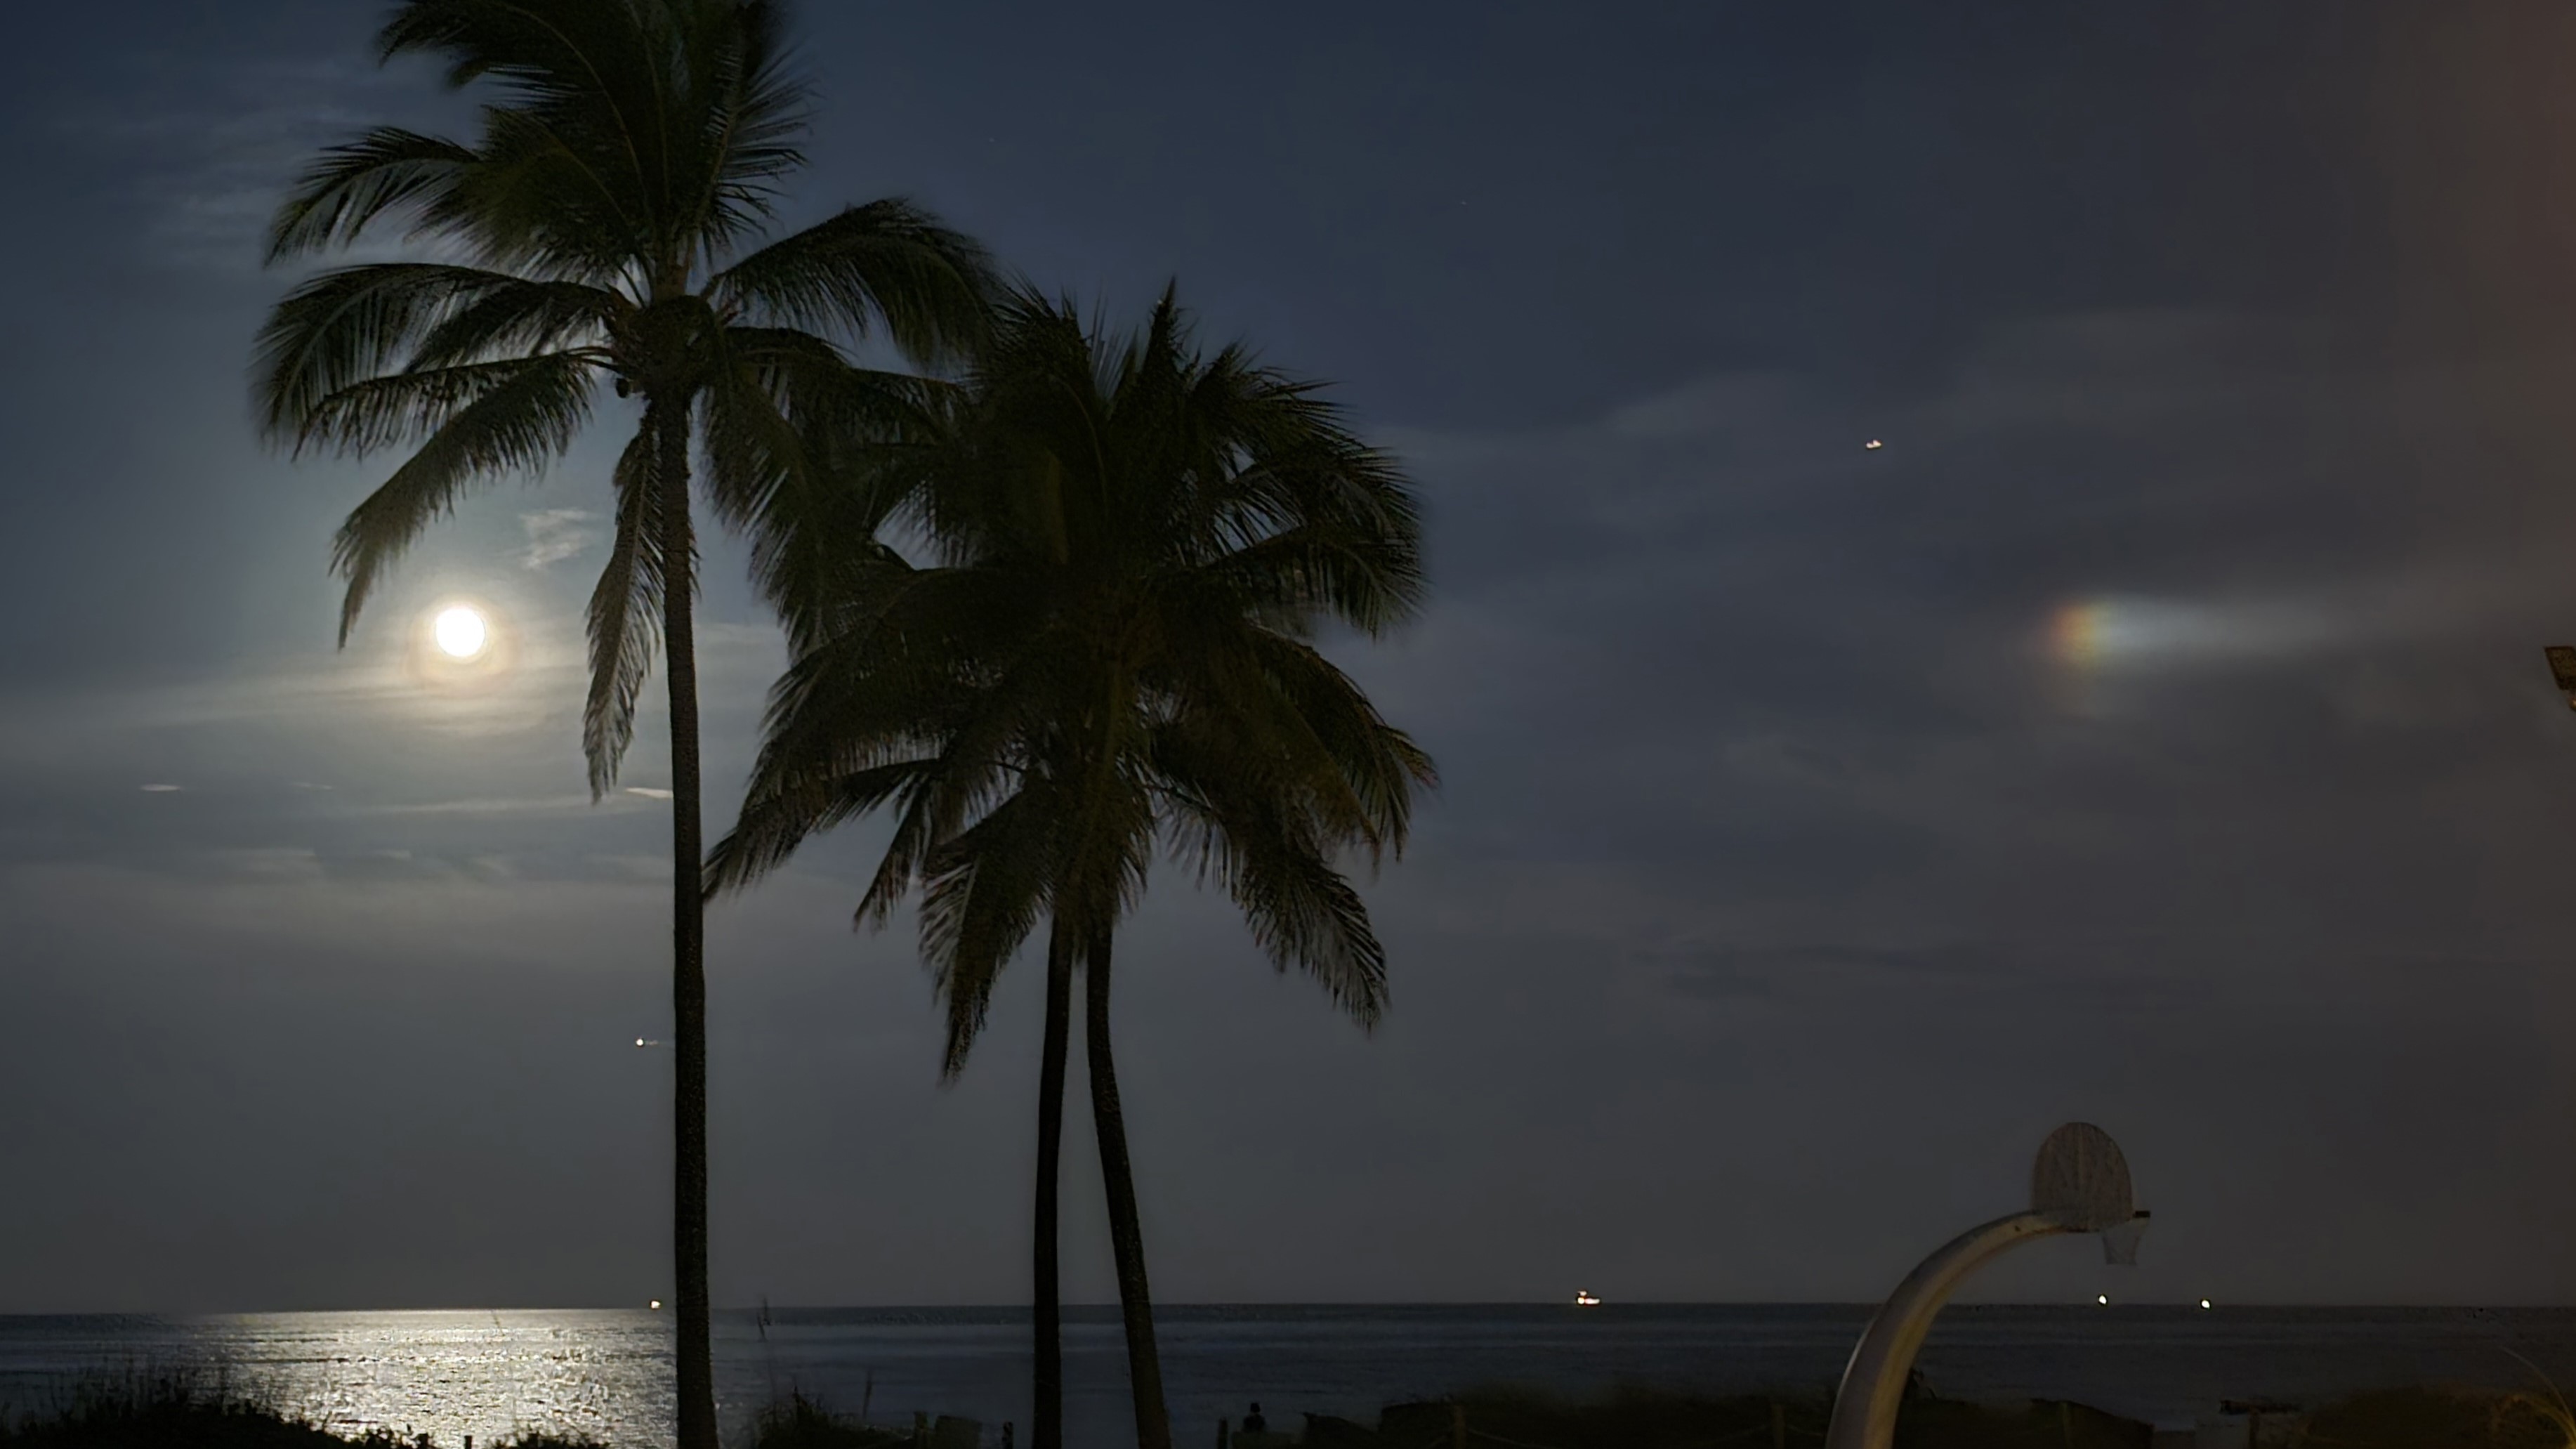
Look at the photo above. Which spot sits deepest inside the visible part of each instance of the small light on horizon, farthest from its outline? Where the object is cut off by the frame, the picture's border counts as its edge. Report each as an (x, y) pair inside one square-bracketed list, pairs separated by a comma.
[(654, 1303), (2102, 1298), (1873, 445), (2204, 1303)]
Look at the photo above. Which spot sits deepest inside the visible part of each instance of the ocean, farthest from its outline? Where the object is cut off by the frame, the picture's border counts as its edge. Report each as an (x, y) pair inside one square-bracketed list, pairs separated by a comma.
[(606, 1374)]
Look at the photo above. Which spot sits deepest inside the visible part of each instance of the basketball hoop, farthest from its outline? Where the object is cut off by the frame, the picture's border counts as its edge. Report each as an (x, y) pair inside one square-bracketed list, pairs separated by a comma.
[(2079, 1184)]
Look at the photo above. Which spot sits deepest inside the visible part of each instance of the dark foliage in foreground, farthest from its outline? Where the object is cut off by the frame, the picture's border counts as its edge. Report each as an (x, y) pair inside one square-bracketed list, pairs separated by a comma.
[(2417, 1418), (1636, 1418), (189, 1411), (803, 1423), (2443, 1419)]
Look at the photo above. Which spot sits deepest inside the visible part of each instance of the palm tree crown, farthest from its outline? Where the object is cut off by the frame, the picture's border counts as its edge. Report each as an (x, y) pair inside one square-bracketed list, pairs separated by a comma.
[(599, 229), (1112, 650)]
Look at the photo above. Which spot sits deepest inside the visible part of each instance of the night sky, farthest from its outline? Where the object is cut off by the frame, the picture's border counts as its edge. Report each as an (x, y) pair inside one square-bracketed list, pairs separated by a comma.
[(2152, 732)]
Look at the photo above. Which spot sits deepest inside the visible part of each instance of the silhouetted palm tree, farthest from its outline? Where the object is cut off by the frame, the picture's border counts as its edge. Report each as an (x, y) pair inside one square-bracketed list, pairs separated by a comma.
[(605, 226), (1108, 649)]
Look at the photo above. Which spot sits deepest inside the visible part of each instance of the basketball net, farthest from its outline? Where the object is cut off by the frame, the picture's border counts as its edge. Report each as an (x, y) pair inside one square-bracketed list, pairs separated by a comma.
[(2120, 1244)]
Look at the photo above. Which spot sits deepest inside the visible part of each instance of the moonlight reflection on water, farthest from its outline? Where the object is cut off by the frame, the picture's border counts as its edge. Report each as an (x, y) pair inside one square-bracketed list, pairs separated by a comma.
[(597, 1375)]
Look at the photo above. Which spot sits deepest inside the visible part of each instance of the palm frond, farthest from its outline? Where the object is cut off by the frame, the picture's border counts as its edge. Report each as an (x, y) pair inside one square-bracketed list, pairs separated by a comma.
[(545, 54), (1309, 732), (536, 316), (984, 892), (353, 185), (1275, 865), (350, 325), (788, 411), (758, 113), (383, 412), (625, 615), (582, 155), (547, 198), (812, 458), (888, 688), (1305, 915), (517, 426), (665, 127), (884, 264), (779, 816), (1369, 579)]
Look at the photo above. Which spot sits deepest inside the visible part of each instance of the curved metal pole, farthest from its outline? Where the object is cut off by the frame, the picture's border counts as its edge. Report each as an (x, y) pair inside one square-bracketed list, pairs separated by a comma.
[(1874, 1381)]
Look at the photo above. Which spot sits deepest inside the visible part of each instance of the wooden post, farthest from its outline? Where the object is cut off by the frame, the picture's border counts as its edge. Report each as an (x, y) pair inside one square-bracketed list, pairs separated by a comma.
[(1779, 1425), (1224, 1438), (1457, 1426)]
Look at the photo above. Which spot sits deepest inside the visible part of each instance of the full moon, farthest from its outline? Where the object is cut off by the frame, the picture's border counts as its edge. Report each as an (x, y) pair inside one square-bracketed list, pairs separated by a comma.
[(459, 632)]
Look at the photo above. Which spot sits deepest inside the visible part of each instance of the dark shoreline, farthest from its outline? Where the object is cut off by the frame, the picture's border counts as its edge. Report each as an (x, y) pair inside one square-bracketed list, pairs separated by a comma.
[(189, 1411)]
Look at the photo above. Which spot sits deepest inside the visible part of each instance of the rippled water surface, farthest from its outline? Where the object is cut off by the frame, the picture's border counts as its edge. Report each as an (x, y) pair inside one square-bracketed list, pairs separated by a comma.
[(605, 1375)]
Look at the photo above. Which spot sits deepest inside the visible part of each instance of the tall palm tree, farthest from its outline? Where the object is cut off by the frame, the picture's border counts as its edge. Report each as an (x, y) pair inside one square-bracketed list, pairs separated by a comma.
[(605, 227), (1108, 651)]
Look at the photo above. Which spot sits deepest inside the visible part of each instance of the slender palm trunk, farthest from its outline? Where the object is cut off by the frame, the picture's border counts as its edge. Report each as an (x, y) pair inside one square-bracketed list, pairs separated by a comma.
[(1046, 1389), (697, 1418), (1126, 1233)]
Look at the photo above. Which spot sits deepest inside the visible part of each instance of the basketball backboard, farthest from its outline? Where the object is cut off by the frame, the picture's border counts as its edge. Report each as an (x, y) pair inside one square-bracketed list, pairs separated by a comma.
[(2082, 1180)]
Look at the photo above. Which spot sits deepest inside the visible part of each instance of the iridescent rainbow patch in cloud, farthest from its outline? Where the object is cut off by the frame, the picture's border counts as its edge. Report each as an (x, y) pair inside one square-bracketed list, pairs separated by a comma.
[(2088, 636), (2079, 633)]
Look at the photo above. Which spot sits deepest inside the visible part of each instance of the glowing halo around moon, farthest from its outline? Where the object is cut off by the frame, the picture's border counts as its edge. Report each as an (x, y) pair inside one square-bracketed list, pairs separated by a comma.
[(462, 644), (460, 632)]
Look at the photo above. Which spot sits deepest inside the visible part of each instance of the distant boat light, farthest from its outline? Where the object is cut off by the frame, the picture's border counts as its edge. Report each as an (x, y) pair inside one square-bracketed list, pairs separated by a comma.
[(2102, 1298), (1585, 1300), (653, 1303), (2204, 1303), (1873, 445)]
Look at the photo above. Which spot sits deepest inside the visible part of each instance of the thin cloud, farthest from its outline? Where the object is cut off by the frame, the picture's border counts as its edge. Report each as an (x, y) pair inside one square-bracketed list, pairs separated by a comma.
[(219, 143), (487, 805), (556, 534)]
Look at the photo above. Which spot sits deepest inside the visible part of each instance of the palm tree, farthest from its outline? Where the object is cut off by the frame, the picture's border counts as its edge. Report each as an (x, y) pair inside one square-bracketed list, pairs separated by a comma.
[(605, 226), (1107, 652)]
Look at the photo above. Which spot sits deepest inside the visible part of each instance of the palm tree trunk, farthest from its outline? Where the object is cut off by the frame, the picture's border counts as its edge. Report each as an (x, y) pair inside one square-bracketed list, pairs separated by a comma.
[(1046, 1388), (696, 1359), (1126, 1233)]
